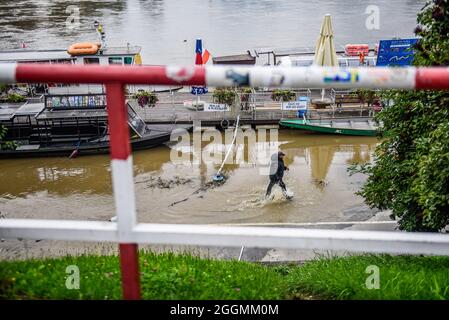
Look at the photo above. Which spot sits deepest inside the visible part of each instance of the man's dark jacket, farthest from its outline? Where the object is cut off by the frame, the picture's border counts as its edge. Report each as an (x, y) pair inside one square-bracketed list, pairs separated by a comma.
[(277, 169)]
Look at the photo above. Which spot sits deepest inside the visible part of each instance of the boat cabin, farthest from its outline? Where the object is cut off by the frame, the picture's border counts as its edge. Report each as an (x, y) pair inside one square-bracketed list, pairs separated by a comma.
[(129, 55), (67, 116), (303, 57)]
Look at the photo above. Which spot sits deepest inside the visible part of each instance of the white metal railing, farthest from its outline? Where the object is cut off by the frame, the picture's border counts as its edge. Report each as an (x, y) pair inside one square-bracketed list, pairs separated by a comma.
[(228, 236)]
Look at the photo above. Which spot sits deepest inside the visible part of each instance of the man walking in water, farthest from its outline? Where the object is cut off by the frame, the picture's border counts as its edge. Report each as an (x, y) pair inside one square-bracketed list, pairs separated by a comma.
[(277, 168)]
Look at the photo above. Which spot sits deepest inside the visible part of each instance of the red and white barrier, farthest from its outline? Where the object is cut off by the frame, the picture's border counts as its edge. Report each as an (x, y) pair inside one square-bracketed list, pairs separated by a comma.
[(128, 232), (123, 187), (224, 76)]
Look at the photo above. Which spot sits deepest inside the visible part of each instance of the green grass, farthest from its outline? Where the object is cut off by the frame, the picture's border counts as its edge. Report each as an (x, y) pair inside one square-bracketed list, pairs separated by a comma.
[(401, 277), (170, 276), (163, 276)]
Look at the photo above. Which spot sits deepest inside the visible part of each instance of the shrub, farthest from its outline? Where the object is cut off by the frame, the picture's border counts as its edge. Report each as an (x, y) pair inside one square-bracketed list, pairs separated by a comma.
[(283, 95), (145, 98), (224, 95), (6, 145), (15, 98)]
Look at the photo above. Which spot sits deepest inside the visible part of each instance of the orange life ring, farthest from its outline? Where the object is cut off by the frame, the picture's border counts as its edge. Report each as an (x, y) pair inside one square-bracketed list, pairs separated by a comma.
[(83, 48)]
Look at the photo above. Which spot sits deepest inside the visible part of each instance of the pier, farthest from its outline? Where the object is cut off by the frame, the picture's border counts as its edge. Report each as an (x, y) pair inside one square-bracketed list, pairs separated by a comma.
[(263, 111)]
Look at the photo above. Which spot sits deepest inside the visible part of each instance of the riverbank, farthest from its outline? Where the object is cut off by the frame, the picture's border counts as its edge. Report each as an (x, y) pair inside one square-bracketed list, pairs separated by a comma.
[(171, 276)]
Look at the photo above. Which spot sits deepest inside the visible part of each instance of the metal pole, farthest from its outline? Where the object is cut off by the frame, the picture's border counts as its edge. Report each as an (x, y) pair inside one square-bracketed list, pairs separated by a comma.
[(121, 163), (241, 253), (129, 262)]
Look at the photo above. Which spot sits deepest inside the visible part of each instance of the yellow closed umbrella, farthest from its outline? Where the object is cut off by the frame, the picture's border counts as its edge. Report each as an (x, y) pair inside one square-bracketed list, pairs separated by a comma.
[(325, 50)]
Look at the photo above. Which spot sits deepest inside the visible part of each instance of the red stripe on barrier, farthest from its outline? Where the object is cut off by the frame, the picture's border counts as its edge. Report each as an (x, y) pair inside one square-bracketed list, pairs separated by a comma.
[(432, 78), (129, 261), (43, 73), (118, 121)]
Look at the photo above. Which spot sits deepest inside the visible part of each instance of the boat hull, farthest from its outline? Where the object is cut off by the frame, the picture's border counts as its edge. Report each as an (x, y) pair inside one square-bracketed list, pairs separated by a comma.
[(86, 149), (316, 127)]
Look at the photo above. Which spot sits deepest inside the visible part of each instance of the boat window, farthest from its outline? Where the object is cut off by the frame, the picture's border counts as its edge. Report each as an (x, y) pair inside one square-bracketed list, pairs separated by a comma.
[(128, 60), (74, 101), (91, 61), (136, 123), (116, 60)]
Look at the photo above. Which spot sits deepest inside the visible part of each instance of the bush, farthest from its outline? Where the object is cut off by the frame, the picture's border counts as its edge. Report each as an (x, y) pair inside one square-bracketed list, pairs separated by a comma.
[(224, 95), (6, 145), (410, 172), (3, 87), (15, 98), (246, 90), (283, 95), (145, 98)]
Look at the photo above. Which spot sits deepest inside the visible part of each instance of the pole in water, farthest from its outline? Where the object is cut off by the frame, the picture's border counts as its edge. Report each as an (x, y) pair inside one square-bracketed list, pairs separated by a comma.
[(218, 177)]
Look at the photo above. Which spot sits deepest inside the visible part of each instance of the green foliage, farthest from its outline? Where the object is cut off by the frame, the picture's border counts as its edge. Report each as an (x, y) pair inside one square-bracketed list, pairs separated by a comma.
[(410, 172), (3, 130), (246, 90), (224, 95), (145, 98), (171, 276), (283, 95), (367, 96), (15, 98), (3, 87), (9, 145), (6, 145)]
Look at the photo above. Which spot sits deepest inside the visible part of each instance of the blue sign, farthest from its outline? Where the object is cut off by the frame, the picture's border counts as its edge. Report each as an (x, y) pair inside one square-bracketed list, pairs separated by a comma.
[(199, 90), (396, 52)]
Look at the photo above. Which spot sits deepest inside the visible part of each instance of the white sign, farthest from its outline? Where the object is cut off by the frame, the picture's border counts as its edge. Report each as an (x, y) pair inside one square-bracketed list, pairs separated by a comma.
[(294, 105), (216, 107)]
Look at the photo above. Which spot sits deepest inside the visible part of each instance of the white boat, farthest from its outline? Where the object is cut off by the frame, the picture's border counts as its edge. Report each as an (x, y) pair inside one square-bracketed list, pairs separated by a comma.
[(96, 53)]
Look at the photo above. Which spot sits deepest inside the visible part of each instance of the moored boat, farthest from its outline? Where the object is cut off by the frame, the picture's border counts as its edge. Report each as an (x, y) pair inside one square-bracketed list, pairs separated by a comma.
[(340, 126), (71, 125)]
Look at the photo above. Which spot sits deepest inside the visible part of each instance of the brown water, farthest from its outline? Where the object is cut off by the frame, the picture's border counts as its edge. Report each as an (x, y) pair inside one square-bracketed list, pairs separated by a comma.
[(81, 188)]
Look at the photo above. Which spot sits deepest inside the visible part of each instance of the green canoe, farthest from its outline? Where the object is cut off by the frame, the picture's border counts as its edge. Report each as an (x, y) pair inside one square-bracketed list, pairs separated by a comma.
[(346, 126)]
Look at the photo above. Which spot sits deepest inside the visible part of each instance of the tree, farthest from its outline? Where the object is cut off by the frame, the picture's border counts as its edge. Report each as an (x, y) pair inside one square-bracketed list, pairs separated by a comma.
[(410, 171)]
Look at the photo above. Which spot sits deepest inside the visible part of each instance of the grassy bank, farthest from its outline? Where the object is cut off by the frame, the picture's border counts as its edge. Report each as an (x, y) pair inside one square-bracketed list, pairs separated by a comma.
[(170, 276)]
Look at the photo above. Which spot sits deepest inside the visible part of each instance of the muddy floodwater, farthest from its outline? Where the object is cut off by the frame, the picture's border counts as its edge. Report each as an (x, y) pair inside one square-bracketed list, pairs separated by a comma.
[(171, 187)]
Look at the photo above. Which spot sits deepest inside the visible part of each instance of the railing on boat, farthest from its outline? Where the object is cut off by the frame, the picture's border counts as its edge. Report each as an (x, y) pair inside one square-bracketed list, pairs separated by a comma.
[(127, 232)]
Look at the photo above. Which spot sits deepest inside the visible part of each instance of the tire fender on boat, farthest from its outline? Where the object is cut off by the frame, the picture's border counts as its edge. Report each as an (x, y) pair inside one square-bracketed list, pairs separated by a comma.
[(224, 123)]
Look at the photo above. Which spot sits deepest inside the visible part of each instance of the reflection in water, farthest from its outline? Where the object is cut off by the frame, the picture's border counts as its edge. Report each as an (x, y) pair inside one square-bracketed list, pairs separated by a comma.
[(320, 161), (76, 188)]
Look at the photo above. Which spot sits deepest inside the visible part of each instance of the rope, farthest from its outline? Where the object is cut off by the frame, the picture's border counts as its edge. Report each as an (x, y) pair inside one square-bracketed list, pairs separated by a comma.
[(230, 148)]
